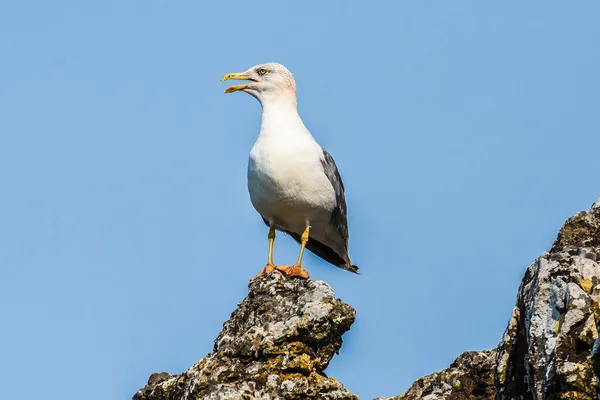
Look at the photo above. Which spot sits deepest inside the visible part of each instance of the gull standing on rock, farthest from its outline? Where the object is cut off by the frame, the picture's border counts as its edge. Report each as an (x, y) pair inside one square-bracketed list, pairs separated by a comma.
[(293, 182)]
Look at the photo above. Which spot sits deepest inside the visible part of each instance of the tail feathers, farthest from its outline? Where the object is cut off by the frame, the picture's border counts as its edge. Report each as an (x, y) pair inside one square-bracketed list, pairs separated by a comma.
[(350, 267)]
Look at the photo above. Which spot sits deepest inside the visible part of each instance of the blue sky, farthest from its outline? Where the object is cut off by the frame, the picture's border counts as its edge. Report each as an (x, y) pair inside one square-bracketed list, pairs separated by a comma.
[(466, 132)]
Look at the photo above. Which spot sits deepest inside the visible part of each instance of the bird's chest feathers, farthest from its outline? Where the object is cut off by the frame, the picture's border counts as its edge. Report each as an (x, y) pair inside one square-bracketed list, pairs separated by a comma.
[(285, 175)]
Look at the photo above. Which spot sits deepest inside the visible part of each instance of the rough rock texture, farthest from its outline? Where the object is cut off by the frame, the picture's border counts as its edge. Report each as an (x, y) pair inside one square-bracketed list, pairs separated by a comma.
[(546, 351), (471, 376), (275, 345), (550, 349)]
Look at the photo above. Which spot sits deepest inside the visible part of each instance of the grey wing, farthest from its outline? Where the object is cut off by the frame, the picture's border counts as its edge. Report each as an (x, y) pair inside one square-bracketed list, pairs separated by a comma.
[(339, 217)]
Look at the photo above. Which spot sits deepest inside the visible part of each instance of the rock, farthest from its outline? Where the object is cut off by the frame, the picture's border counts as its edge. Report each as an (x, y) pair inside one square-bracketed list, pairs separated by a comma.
[(158, 377), (280, 339), (275, 345), (471, 376), (550, 348), (546, 351)]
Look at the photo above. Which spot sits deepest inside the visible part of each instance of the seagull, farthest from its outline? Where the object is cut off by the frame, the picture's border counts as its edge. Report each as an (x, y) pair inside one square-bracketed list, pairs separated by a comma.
[(293, 182)]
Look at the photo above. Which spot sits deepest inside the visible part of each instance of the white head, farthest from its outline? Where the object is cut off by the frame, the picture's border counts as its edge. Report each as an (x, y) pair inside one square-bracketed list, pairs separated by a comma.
[(269, 82)]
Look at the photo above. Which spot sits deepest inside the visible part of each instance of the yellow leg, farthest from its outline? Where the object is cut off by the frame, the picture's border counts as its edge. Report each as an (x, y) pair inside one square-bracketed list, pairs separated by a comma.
[(296, 269), (304, 240), (270, 267), (271, 237)]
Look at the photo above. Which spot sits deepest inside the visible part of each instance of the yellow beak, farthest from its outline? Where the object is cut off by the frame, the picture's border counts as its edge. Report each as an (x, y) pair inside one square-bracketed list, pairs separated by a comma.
[(239, 77)]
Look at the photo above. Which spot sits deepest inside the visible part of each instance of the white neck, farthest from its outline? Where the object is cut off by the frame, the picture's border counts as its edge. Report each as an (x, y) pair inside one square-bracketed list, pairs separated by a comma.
[(280, 116)]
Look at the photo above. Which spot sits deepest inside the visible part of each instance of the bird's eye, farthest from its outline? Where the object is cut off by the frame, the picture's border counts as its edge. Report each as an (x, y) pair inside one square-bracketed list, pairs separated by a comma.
[(262, 71)]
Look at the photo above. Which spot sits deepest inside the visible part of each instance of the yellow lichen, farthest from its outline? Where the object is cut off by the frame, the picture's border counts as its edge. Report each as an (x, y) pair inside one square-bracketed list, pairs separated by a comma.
[(587, 285), (596, 310), (201, 364), (589, 333), (573, 395), (559, 323), (301, 363)]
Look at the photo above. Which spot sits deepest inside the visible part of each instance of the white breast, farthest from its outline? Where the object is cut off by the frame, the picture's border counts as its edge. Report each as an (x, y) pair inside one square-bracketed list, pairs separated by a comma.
[(286, 180)]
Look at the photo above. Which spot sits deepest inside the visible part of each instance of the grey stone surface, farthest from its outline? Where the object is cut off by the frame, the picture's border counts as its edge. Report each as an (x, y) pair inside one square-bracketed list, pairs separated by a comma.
[(546, 350), (275, 345)]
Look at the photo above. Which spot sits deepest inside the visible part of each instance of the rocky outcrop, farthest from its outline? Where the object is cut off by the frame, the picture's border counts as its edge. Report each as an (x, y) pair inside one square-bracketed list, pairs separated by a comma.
[(550, 349), (280, 339), (471, 376), (546, 351), (275, 345)]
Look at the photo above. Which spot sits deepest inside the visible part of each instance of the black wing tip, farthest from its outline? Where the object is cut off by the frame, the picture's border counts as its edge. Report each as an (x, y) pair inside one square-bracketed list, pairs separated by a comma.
[(351, 268)]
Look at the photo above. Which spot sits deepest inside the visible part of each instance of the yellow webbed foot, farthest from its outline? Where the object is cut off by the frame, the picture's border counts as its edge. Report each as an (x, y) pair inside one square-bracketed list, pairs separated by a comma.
[(292, 271)]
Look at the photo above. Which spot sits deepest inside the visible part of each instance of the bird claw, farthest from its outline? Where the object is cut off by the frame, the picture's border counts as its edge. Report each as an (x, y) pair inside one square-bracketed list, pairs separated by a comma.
[(288, 271), (292, 271), (268, 269)]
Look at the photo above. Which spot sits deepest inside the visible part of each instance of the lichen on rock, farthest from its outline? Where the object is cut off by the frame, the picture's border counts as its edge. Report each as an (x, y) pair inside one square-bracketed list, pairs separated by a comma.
[(546, 353), (275, 345)]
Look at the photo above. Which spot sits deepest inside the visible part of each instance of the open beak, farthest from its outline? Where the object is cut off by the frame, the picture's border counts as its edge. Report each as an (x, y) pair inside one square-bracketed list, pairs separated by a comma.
[(239, 77)]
